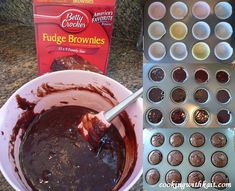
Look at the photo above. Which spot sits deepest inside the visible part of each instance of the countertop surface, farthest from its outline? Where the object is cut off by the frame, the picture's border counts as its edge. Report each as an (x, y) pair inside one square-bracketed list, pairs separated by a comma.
[(18, 64)]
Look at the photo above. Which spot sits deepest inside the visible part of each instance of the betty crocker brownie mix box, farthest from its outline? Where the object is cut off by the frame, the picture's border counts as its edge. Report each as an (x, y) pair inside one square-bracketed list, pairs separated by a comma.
[(73, 34)]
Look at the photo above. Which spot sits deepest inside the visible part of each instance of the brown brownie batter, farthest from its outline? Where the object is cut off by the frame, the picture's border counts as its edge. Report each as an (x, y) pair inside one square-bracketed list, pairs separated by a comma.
[(156, 95), (218, 140), (154, 116), (152, 177), (54, 156), (201, 116), (177, 139), (219, 159), (155, 157), (178, 95), (223, 96), (157, 74), (224, 116), (157, 140), (173, 176), (175, 158), (197, 140), (195, 178), (201, 95), (179, 75), (201, 76), (219, 178), (222, 77), (196, 158), (178, 116)]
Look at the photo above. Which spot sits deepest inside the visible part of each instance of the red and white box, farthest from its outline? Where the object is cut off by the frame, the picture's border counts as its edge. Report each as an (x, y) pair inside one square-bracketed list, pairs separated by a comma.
[(73, 34)]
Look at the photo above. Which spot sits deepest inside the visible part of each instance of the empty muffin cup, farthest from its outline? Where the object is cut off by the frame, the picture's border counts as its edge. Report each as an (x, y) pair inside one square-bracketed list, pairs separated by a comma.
[(223, 31), (179, 10), (178, 31), (157, 11), (157, 51), (201, 10), (201, 30), (201, 51), (223, 10), (178, 51), (223, 51), (156, 30)]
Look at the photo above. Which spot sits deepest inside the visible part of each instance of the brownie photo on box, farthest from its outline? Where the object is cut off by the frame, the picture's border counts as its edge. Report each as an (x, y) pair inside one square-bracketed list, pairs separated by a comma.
[(73, 62)]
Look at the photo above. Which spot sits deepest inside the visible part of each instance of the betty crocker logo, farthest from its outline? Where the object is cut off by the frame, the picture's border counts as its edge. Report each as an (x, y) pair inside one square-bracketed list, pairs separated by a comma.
[(74, 20)]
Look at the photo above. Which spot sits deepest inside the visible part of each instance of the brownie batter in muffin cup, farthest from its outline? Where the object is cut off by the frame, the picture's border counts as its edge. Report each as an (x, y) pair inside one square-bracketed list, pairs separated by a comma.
[(219, 159), (196, 179), (178, 95), (152, 177), (178, 116), (157, 140), (201, 116), (219, 178), (196, 158), (154, 116), (218, 140), (201, 95), (177, 139), (175, 158), (155, 157), (197, 140), (173, 176), (179, 75), (156, 95), (223, 96), (156, 74)]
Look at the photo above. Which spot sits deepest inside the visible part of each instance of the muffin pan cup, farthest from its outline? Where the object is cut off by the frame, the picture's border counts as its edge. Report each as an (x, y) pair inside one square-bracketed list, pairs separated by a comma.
[(185, 168), (189, 105), (189, 40)]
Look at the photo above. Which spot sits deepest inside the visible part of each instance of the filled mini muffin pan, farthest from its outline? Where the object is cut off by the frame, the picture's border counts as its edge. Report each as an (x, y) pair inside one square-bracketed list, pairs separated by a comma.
[(175, 155), (189, 31), (193, 95)]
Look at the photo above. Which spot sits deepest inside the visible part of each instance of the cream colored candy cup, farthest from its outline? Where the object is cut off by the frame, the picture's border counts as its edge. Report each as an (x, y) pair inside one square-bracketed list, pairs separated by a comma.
[(178, 31), (157, 11), (223, 31), (201, 30), (223, 51), (156, 30), (201, 51), (178, 51), (157, 51), (201, 10), (223, 10), (179, 10)]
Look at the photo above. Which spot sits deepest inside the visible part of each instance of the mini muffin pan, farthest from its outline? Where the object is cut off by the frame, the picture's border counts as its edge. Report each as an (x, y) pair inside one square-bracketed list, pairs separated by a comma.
[(188, 156), (193, 33), (195, 95)]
